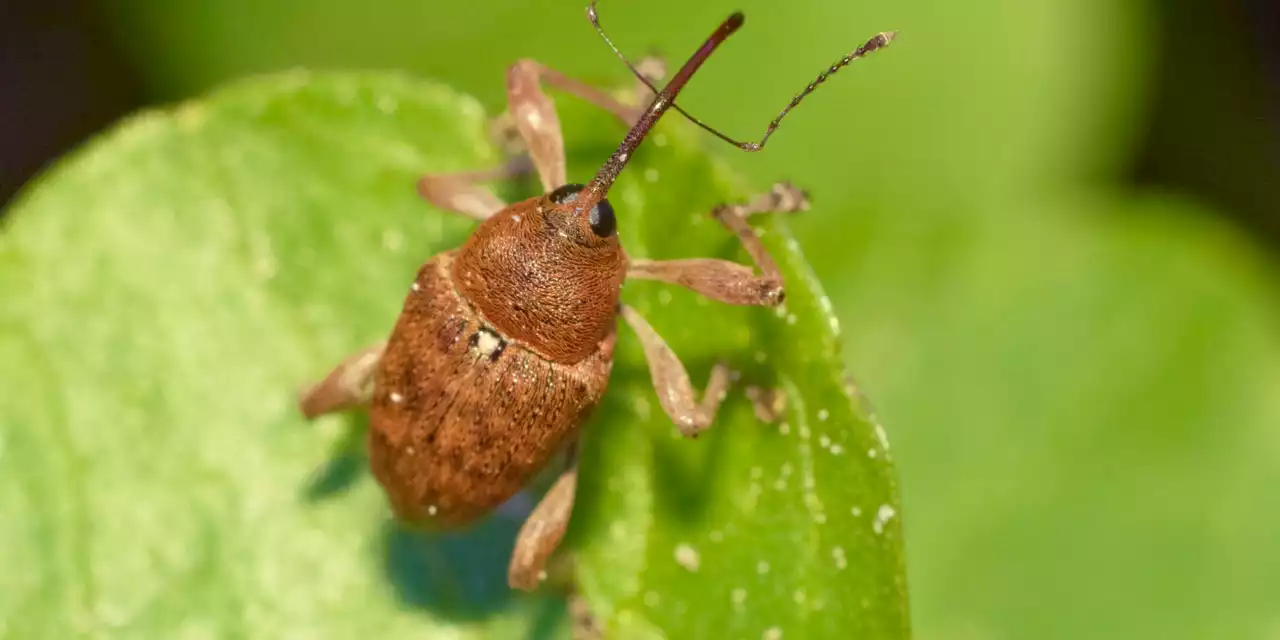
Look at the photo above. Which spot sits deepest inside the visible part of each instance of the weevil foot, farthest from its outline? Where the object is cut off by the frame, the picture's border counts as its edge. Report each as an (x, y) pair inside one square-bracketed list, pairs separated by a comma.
[(782, 197), (675, 392), (541, 533), (768, 404)]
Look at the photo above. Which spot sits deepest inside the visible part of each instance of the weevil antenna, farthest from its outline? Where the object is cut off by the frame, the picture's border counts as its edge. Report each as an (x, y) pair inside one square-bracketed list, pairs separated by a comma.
[(599, 186), (879, 41)]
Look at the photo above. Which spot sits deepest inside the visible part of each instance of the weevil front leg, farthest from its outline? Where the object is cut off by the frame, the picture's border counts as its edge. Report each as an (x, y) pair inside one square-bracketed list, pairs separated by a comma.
[(535, 115), (350, 384), (459, 193), (543, 530), (729, 281), (671, 381)]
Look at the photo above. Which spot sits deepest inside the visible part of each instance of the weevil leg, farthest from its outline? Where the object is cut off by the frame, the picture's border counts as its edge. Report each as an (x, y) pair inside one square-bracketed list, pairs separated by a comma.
[(768, 404), (535, 115), (542, 532), (349, 384), (459, 193), (671, 381), (729, 281)]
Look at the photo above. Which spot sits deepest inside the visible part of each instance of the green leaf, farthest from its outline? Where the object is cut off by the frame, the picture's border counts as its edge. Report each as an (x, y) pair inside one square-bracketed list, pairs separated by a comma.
[(1087, 398), (169, 287)]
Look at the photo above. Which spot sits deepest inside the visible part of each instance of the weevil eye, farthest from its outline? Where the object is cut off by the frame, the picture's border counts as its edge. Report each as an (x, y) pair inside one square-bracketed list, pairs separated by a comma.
[(566, 194), (601, 218)]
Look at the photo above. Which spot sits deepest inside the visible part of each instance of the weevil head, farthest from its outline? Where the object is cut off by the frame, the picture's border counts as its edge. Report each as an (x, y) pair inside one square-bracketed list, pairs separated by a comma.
[(546, 272)]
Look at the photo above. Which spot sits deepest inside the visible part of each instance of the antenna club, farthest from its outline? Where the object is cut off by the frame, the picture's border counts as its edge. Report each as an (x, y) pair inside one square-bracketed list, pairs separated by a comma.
[(881, 40), (735, 20)]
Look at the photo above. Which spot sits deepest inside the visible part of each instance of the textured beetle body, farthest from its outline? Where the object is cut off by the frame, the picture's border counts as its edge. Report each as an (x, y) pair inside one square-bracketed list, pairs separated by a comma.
[(502, 349)]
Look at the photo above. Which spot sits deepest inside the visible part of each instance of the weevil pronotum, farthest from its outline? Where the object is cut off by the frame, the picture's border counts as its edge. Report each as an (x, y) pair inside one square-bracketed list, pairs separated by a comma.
[(505, 344)]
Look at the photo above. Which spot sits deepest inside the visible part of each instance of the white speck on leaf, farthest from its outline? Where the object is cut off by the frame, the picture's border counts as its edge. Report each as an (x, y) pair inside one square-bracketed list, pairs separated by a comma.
[(823, 414), (881, 435), (392, 240), (687, 557), (883, 515), (642, 408), (837, 554)]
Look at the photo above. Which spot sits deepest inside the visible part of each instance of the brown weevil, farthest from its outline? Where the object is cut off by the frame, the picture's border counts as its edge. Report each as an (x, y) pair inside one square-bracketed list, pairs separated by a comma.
[(505, 344)]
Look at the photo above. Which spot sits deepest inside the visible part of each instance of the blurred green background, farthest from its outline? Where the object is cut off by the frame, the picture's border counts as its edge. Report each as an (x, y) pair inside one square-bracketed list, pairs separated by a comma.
[(1049, 229)]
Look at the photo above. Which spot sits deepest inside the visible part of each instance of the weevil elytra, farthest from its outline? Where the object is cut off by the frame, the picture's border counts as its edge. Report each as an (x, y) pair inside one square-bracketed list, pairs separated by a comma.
[(505, 344)]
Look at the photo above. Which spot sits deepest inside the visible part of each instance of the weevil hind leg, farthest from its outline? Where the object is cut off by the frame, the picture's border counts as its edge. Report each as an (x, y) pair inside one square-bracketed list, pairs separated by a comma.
[(350, 384), (542, 531), (727, 281), (671, 381)]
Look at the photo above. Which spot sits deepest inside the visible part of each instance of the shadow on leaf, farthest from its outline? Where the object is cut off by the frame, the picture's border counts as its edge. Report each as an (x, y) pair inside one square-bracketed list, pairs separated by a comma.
[(459, 574), (347, 463)]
